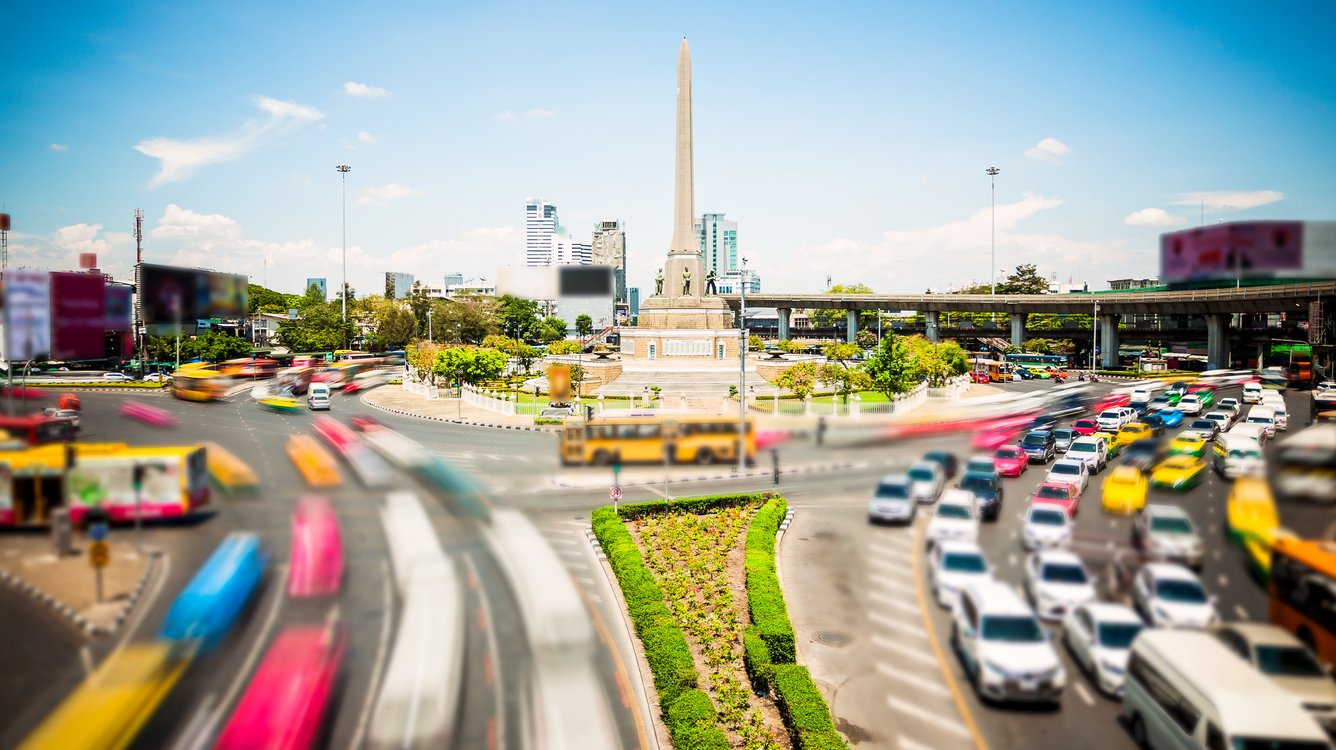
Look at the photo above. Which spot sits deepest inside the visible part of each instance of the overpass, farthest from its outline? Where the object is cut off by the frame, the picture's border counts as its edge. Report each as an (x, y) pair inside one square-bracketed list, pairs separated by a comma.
[(1215, 305)]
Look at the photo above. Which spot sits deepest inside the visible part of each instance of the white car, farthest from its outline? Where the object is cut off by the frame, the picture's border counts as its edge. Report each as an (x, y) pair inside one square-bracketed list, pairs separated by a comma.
[(1069, 471), (1190, 404), (1265, 416), (70, 414), (1099, 637), (1002, 646), (1280, 413), (952, 566), (1230, 406), (1252, 393), (1222, 419), (1045, 526), (1090, 451), (1110, 420), (1168, 595), (956, 518), (116, 377), (1056, 581), (891, 501), (926, 480)]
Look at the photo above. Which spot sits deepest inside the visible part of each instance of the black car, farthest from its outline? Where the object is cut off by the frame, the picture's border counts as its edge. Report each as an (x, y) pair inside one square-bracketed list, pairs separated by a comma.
[(946, 460), (987, 491), (1024, 373), (1207, 427), (1143, 453), (1155, 423), (1039, 446), (1043, 422)]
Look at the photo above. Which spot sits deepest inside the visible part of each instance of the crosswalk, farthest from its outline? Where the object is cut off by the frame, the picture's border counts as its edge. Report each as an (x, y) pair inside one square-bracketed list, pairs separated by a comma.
[(916, 693)]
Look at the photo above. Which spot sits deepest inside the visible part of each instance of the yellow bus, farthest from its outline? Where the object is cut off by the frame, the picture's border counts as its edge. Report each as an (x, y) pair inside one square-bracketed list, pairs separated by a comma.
[(112, 705), (1302, 593), (199, 383), (653, 438)]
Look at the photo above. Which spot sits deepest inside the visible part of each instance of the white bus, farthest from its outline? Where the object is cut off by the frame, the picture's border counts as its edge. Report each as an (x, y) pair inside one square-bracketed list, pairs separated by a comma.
[(1307, 461)]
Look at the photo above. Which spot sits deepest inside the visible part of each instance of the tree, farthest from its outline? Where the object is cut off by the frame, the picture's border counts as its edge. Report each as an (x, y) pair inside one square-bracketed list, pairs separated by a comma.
[(319, 328), (563, 346), (1025, 280), (800, 379), (421, 355), (313, 296), (468, 319), (525, 355), (754, 343), (832, 318), (955, 357), (792, 347), (260, 299), (551, 328), (866, 339), (419, 303), (578, 376), (393, 326), (215, 347), (584, 326), (841, 353), (470, 364), (890, 368), (518, 317), (844, 380)]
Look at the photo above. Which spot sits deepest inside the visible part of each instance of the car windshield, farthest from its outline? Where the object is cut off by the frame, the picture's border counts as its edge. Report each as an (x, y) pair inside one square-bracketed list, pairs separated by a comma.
[(1081, 447), (1185, 592), (1035, 440), (964, 562), (1065, 469), (1045, 517), (893, 490), (1118, 634), (977, 483), (1109, 415), (1260, 420), (1055, 493), (1012, 629), (1008, 453), (1202, 424), (979, 464), (1244, 453), (1287, 661), (920, 474), (1171, 525), (1064, 434), (1063, 573), (950, 510)]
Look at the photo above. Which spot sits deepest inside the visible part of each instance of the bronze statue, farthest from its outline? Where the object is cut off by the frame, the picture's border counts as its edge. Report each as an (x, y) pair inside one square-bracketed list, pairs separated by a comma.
[(658, 282), (686, 282), (710, 286)]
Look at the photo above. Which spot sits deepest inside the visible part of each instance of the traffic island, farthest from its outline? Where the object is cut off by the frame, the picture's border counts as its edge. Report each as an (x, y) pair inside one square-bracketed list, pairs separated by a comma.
[(699, 582), (68, 584)]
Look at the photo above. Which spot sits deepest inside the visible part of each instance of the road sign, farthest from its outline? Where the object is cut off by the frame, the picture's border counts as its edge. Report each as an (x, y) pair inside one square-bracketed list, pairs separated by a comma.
[(97, 531), (99, 554), (615, 493)]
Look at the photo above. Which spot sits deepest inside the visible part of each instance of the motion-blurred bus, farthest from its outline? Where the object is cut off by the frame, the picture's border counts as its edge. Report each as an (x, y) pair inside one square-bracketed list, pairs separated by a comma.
[(1307, 461), (172, 482), (990, 371), (199, 382), (1302, 593), (653, 438), (1042, 365), (249, 368)]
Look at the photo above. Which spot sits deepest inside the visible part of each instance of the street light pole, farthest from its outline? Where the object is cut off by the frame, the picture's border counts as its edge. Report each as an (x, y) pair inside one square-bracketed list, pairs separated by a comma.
[(429, 311), (1094, 327), (992, 261), (742, 371), (344, 169)]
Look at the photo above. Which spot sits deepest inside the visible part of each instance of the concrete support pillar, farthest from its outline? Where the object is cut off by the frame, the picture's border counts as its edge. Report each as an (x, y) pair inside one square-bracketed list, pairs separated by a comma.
[(932, 326), (1018, 329), (1108, 341), (784, 313), (1217, 341), (851, 325)]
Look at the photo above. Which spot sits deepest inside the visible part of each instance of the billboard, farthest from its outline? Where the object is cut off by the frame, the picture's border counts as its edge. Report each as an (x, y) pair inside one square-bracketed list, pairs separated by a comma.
[(116, 305), (78, 316), (172, 295), (27, 315), (584, 281), (1249, 249)]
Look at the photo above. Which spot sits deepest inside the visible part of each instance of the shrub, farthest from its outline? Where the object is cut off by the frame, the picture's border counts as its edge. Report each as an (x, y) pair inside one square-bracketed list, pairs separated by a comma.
[(691, 707), (756, 658), (800, 701), (765, 599), (830, 740), (700, 737), (695, 505)]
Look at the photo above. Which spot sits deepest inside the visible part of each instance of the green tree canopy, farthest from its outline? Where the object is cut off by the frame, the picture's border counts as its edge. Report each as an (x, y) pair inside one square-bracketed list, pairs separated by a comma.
[(800, 379), (518, 317), (470, 364), (318, 329), (890, 368), (844, 380), (1025, 280), (832, 318), (584, 326)]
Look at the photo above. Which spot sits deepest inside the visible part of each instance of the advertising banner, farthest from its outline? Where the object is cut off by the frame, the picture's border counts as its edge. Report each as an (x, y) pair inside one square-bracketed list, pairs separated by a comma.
[(78, 314), (559, 384), (1237, 250), (174, 295), (27, 314), (116, 305)]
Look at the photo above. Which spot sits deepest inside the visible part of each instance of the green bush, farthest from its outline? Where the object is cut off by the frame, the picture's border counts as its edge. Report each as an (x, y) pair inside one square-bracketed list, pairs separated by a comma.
[(700, 737), (800, 701), (547, 420), (697, 505), (765, 599), (830, 740), (691, 707), (756, 658)]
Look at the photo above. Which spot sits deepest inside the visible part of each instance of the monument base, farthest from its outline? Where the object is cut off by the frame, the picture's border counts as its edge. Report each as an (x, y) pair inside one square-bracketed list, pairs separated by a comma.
[(684, 313), (679, 344)]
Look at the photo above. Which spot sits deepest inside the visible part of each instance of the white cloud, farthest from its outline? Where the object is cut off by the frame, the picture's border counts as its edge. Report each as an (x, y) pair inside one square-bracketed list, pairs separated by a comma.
[(385, 194), (353, 88), (1049, 149), (472, 252), (179, 157), (539, 114), (365, 137), (59, 251), (506, 116), (1153, 217), (183, 224), (1238, 200), (58, 147)]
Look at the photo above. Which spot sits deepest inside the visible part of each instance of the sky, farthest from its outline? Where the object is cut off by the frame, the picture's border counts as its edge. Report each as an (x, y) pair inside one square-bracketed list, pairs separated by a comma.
[(848, 140)]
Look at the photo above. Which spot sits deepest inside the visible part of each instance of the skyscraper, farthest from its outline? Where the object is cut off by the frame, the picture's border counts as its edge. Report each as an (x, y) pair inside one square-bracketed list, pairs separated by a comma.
[(398, 285), (540, 227), (609, 249), (568, 252), (718, 244), (319, 283)]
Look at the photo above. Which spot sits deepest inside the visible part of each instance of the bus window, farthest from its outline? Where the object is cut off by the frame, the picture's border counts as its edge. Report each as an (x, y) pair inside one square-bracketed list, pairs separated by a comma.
[(1303, 593)]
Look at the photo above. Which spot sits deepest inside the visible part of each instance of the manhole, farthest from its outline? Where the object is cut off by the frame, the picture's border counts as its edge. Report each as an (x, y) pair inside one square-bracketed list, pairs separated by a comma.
[(831, 638)]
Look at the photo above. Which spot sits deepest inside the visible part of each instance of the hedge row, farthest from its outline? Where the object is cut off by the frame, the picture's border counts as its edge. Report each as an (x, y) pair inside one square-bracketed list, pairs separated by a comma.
[(688, 711), (697, 505), (765, 599)]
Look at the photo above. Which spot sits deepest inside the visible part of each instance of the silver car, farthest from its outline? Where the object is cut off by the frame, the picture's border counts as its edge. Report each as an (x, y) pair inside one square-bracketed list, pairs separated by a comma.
[(1281, 657), (892, 501), (1164, 532)]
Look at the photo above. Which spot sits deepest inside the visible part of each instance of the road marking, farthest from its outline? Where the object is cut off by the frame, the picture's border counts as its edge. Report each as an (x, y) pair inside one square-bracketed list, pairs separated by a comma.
[(563, 540), (1085, 694), (894, 624), (243, 675), (586, 580), (906, 743), (485, 615), (1013, 559), (931, 717), (86, 656), (903, 606), (894, 585), (907, 651), (381, 649), (147, 603), (920, 683), (1224, 581), (1241, 612)]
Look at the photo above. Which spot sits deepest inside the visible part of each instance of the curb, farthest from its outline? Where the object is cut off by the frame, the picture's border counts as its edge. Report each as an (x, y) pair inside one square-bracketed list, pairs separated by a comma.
[(79, 621), (464, 422), (811, 469)]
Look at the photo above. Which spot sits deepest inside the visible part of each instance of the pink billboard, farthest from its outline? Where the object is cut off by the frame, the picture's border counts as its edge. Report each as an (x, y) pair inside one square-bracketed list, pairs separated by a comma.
[(1226, 251), (78, 316)]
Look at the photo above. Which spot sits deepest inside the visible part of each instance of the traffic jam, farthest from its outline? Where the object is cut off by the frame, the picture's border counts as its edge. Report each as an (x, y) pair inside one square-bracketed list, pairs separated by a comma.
[(1149, 556)]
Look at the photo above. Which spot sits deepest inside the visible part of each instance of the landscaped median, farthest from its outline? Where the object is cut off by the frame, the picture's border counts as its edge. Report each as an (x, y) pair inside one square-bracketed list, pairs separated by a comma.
[(698, 576)]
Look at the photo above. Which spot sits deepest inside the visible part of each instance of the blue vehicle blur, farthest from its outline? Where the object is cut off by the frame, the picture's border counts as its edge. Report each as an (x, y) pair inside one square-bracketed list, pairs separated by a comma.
[(209, 605), (1171, 417), (987, 489)]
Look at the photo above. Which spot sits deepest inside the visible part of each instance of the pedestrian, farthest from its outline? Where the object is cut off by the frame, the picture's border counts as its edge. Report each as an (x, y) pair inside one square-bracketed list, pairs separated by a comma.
[(820, 430), (774, 457)]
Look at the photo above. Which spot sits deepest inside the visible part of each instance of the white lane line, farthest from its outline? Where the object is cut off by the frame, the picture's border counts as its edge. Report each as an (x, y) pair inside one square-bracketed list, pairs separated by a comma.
[(920, 683), (908, 608), (586, 580), (387, 589), (932, 717), (906, 651), (891, 584), (898, 625), (243, 675), (562, 540), (1224, 581), (196, 731), (86, 656), (1085, 694), (1241, 612), (1013, 559), (147, 604), (906, 743)]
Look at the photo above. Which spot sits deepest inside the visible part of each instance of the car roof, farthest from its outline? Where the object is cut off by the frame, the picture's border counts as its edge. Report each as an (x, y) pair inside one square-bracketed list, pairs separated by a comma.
[(1057, 556), (1110, 612), (938, 456), (1258, 633), (1166, 571), (957, 497), (959, 546), (930, 465), (898, 478), (997, 598), (1067, 462), (1086, 439), (1120, 471)]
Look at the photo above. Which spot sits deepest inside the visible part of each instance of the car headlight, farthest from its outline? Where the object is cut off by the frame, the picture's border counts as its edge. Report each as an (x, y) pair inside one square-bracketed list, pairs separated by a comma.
[(992, 670), (1111, 668)]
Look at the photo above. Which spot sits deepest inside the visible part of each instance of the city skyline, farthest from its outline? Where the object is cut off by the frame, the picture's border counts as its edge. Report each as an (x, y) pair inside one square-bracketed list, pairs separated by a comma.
[(877, 181)]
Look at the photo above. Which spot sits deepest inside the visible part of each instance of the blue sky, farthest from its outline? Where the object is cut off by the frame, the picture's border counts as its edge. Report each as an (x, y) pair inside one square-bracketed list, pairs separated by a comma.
[(847, 139)]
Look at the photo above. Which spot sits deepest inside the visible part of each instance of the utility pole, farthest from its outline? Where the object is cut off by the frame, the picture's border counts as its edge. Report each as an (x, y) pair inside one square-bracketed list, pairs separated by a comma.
[(1094, 327), (742, 372), (139, 290), (344, 169), (993, 172)]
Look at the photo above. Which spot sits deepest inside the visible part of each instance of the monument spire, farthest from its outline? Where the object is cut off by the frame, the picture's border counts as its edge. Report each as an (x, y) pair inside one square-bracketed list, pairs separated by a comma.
[(684, 205)]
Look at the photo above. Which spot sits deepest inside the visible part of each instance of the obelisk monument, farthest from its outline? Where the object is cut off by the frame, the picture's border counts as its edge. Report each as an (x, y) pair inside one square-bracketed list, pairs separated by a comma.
[(682, 304)]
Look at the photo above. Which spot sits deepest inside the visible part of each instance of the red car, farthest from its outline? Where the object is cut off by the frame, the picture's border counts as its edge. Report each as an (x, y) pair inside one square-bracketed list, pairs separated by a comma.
[(1010, 461), (1057, 493), (1086, 426), (1112, 401)]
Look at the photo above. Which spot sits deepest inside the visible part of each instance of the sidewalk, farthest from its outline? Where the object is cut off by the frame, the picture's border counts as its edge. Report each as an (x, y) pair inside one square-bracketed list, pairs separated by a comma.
[(68, 584), (395, 399)]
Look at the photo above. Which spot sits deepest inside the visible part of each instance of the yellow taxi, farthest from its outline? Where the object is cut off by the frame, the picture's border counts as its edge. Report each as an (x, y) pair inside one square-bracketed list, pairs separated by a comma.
[(1253, 522), (1111, 440), (1188, 444), (1132, 432), (1124, 491), (1178, 472), (281, 403)]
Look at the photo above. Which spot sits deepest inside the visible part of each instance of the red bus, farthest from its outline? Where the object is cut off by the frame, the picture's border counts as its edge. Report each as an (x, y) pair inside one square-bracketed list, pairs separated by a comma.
[(37, 429)]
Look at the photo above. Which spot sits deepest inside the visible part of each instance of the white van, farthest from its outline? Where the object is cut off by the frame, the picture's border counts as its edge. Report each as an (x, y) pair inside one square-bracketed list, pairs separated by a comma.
[(1183, 690), (1277, 403), (1237, 454), (1252, 393), (317, 397), (1265, 416)]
